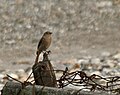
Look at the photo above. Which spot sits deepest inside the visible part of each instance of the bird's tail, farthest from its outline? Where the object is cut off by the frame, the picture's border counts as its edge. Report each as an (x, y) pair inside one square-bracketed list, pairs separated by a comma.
[(37, 52), (37, 57)]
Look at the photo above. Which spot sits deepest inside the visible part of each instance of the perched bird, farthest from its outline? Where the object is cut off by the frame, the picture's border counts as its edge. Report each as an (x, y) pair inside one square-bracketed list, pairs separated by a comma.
[(44, 43)]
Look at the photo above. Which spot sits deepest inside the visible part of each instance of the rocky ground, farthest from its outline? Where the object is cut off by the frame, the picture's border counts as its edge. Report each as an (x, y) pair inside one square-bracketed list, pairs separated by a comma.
[(85, 35)]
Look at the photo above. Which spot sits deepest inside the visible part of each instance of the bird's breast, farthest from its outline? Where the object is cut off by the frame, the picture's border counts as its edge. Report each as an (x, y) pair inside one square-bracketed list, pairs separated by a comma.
[(47, 42)]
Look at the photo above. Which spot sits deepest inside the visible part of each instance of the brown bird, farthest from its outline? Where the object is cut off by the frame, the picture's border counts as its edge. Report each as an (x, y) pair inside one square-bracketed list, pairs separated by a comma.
[(43, 44)]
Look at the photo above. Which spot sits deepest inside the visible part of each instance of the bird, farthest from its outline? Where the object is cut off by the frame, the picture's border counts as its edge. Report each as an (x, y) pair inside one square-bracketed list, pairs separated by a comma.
[(44, 43)]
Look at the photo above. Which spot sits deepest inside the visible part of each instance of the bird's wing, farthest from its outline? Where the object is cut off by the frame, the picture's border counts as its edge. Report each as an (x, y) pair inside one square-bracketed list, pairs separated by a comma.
[(41, 40)]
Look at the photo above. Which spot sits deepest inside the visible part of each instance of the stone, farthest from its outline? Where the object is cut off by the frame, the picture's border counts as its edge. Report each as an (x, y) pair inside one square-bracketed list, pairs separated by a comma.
[(116, 56), (83, 61), (95, 60), (105, 54), (10, 42)]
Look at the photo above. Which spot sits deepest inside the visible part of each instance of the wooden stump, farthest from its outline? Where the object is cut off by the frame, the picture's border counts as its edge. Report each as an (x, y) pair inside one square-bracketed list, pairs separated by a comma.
[(44, 73)]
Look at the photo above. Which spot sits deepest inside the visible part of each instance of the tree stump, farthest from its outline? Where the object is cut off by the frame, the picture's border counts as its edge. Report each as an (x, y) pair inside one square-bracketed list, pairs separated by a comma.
[(44, 73)]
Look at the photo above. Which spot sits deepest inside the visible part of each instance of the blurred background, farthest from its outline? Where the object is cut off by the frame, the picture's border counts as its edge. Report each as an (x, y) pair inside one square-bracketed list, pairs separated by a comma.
[(84, 32)]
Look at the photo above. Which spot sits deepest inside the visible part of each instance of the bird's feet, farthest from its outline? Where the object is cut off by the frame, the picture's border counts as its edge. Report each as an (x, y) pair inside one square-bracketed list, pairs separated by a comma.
[(47, 52), (45, 55)]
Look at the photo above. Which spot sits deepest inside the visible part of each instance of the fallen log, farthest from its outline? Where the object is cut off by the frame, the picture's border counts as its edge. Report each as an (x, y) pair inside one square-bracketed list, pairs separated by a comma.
[(14, 88)]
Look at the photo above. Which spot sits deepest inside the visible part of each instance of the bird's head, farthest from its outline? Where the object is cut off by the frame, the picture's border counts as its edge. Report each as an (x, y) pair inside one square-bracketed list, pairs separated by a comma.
[(48, 33)]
